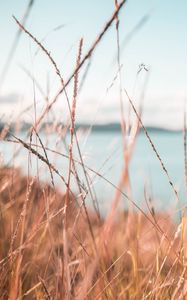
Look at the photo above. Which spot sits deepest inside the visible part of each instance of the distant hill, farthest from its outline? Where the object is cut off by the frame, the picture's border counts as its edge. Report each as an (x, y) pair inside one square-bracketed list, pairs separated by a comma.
[(116, 127), (110, 127)]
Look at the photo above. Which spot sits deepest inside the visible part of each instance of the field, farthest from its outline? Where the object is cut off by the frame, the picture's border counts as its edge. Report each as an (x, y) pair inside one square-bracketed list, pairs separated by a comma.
[(50, 251)]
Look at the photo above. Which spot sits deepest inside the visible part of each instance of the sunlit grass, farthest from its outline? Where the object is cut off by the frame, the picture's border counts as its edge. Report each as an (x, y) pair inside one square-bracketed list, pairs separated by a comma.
[(53, 246)]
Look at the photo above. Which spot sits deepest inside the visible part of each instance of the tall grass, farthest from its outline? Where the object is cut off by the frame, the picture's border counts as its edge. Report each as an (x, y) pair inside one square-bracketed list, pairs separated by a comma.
[(52, 246)]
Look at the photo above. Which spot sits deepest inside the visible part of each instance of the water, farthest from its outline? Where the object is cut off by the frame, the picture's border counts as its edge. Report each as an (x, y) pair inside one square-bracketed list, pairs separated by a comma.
[(102, 151)]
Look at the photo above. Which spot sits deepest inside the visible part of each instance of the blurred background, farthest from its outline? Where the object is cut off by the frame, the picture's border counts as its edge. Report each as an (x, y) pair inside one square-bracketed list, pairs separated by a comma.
[(152, 33), (153, 60)]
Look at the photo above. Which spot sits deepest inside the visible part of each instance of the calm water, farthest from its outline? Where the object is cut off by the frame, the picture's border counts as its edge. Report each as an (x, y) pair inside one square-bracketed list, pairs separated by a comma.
[(102, 151)]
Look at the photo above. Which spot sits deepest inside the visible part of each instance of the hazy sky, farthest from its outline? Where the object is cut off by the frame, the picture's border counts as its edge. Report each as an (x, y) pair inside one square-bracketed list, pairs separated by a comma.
[(160, 44)]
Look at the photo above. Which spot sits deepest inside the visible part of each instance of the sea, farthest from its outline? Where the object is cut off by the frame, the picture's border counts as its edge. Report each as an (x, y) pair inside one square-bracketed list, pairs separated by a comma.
[(102, 154)]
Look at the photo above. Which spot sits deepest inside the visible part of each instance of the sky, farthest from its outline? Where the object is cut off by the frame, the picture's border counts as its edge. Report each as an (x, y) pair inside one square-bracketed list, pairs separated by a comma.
[(160, 43)]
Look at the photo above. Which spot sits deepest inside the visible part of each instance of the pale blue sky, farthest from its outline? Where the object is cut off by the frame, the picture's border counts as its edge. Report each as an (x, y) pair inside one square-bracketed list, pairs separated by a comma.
[(161, 44)]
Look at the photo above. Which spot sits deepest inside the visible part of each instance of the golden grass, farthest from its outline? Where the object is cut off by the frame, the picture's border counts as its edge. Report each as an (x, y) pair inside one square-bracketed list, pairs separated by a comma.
[(135, 262), (53, 247)]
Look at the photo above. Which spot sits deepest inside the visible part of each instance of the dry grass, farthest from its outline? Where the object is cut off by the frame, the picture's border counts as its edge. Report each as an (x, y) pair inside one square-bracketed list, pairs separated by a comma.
[(137, 262), (53, 247)]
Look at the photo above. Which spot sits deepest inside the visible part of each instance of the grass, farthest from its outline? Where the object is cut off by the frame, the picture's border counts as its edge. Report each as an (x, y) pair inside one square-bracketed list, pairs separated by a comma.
[(129, 259), (52, 246)]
